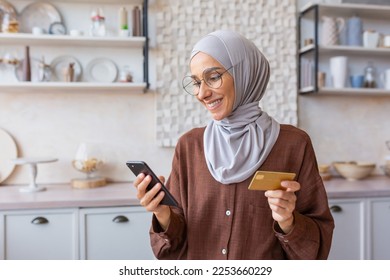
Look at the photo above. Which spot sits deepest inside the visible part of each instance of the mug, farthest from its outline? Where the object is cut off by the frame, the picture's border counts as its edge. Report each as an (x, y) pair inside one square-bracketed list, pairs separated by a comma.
[(357, 81), (37, 30), (321, 79), (338, 71), (370, 39)]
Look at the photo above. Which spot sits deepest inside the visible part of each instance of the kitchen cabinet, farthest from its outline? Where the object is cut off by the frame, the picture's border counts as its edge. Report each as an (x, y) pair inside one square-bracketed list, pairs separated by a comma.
[(362, 229), (123, 51), (314, 56), (379, 232), (107, 233), (349, 234), (115, 233), (40, 234)]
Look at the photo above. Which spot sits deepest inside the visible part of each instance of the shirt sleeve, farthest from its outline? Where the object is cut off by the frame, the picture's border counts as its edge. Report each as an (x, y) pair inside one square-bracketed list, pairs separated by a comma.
[(311, 236), (168, 244), (171, 243)]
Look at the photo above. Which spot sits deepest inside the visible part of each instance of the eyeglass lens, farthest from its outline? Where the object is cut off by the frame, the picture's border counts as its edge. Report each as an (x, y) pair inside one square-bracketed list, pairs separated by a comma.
[(212, 77)]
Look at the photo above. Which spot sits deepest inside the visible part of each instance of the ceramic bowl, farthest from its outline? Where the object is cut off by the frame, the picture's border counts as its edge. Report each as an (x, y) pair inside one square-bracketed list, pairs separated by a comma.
[(386, 169), (354, 170), (323, 168)]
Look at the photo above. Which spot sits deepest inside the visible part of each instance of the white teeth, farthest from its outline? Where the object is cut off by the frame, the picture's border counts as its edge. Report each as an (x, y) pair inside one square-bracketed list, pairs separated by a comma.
[(211, 105)]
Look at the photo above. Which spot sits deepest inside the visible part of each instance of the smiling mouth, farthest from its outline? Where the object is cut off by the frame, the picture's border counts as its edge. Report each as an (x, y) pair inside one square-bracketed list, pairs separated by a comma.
[(213, 104)]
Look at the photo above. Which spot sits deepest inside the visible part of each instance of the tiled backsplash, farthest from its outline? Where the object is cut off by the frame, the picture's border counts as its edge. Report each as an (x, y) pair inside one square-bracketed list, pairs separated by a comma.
[(180, 24)]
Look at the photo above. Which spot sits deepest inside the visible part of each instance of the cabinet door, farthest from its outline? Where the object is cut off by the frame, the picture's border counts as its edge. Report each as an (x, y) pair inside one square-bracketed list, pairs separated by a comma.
[(115, 233), (380, 229), (348, 236), (41, 235)]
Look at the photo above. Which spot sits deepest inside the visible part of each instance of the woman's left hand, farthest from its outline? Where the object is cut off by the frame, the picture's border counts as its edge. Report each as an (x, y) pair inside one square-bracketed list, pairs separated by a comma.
[(282, 203)]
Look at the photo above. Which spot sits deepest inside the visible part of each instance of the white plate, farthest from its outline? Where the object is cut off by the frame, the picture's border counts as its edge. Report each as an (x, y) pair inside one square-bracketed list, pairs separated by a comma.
[(62, 62), (102, 70), (34, 65), (8, 151), (38, 14), (6, 7)]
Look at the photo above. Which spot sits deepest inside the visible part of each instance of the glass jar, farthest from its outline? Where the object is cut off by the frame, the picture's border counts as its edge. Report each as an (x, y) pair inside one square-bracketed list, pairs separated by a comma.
[(125, 75), (44, 71), (98, 25), (10, 23), (369, 76)]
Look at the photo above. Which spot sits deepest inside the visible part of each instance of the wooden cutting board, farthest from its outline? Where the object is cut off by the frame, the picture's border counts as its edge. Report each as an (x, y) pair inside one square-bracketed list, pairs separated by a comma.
[(88, 183)]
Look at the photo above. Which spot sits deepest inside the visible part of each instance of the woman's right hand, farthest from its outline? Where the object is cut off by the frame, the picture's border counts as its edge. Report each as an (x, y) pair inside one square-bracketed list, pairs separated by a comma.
[(150, 201)]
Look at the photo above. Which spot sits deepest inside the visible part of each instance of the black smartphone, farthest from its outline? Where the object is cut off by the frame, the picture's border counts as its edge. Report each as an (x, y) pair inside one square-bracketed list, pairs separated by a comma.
[(138, 167)]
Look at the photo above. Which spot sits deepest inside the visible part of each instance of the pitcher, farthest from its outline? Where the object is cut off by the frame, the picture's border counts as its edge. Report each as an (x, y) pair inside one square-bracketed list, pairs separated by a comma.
[(331, 29)]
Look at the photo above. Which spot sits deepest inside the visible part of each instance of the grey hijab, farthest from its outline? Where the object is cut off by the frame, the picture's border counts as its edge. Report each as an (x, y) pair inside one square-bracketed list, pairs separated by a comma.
[(236, 146)]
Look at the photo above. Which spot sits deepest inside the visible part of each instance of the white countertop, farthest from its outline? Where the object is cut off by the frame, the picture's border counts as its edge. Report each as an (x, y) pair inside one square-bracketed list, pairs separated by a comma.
[(63, 195), (374, 186), (124, 194)]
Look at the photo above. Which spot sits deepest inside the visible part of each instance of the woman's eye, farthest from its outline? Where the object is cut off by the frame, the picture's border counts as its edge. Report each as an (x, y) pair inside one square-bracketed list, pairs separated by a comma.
[(214, 77), (196, 83)]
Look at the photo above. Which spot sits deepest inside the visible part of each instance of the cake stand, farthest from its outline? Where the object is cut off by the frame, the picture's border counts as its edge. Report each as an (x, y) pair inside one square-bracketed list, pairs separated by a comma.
[(32, 163)]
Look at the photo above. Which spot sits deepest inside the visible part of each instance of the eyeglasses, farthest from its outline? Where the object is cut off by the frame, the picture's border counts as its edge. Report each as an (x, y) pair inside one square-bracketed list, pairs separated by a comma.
[(211, 76)]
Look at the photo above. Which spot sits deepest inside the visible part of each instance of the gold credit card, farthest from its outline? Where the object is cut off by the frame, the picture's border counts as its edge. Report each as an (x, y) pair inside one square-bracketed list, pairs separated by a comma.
[(268, 180)]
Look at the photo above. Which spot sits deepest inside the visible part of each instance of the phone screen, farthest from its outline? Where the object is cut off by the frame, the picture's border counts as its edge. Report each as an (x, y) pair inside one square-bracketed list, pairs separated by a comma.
[(138, 167)]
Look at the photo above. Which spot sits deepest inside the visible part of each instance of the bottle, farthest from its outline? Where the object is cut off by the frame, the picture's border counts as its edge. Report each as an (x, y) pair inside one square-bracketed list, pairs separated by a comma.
[(44, 73), (123, 24), (136, 21), (369, 76), (26, 65), (125, 75), (69, 73), (98, 25)]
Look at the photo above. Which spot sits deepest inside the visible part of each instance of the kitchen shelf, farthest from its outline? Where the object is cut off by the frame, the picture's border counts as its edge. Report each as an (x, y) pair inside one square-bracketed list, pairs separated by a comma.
[(314, 58), (347, 10), (75, 87), (74, 41), (48, 40), (346, 91), (347, 50), (116, 2)]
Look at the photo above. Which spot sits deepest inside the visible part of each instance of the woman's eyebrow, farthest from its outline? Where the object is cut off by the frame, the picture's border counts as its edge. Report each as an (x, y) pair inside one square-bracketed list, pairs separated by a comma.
[(208, 70)]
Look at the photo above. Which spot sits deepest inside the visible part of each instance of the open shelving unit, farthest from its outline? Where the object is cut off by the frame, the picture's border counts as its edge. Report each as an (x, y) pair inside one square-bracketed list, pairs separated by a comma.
[(49, 40), (314, 12)]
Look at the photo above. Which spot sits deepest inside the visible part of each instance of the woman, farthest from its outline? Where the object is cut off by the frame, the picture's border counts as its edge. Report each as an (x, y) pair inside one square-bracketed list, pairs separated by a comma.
[(218, 217)]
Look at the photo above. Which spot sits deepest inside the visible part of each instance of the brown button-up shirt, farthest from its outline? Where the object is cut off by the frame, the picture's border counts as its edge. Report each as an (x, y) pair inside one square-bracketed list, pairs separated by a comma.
[(217, 221)]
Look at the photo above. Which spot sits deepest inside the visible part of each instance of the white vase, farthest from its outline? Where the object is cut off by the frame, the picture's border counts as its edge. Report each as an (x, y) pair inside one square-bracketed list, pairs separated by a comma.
[(385, 77), (338, 71)]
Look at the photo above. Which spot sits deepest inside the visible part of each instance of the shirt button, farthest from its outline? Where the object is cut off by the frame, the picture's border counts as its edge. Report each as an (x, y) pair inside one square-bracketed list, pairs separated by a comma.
[(228, 213), (224, 251)]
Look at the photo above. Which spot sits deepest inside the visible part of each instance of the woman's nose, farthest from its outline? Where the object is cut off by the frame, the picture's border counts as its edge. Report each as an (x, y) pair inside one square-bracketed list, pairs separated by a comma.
[(204, 90)]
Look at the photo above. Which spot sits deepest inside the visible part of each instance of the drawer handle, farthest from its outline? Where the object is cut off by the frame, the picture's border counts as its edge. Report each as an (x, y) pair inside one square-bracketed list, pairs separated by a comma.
[(120, 219), (40, 221), (336, 209)]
